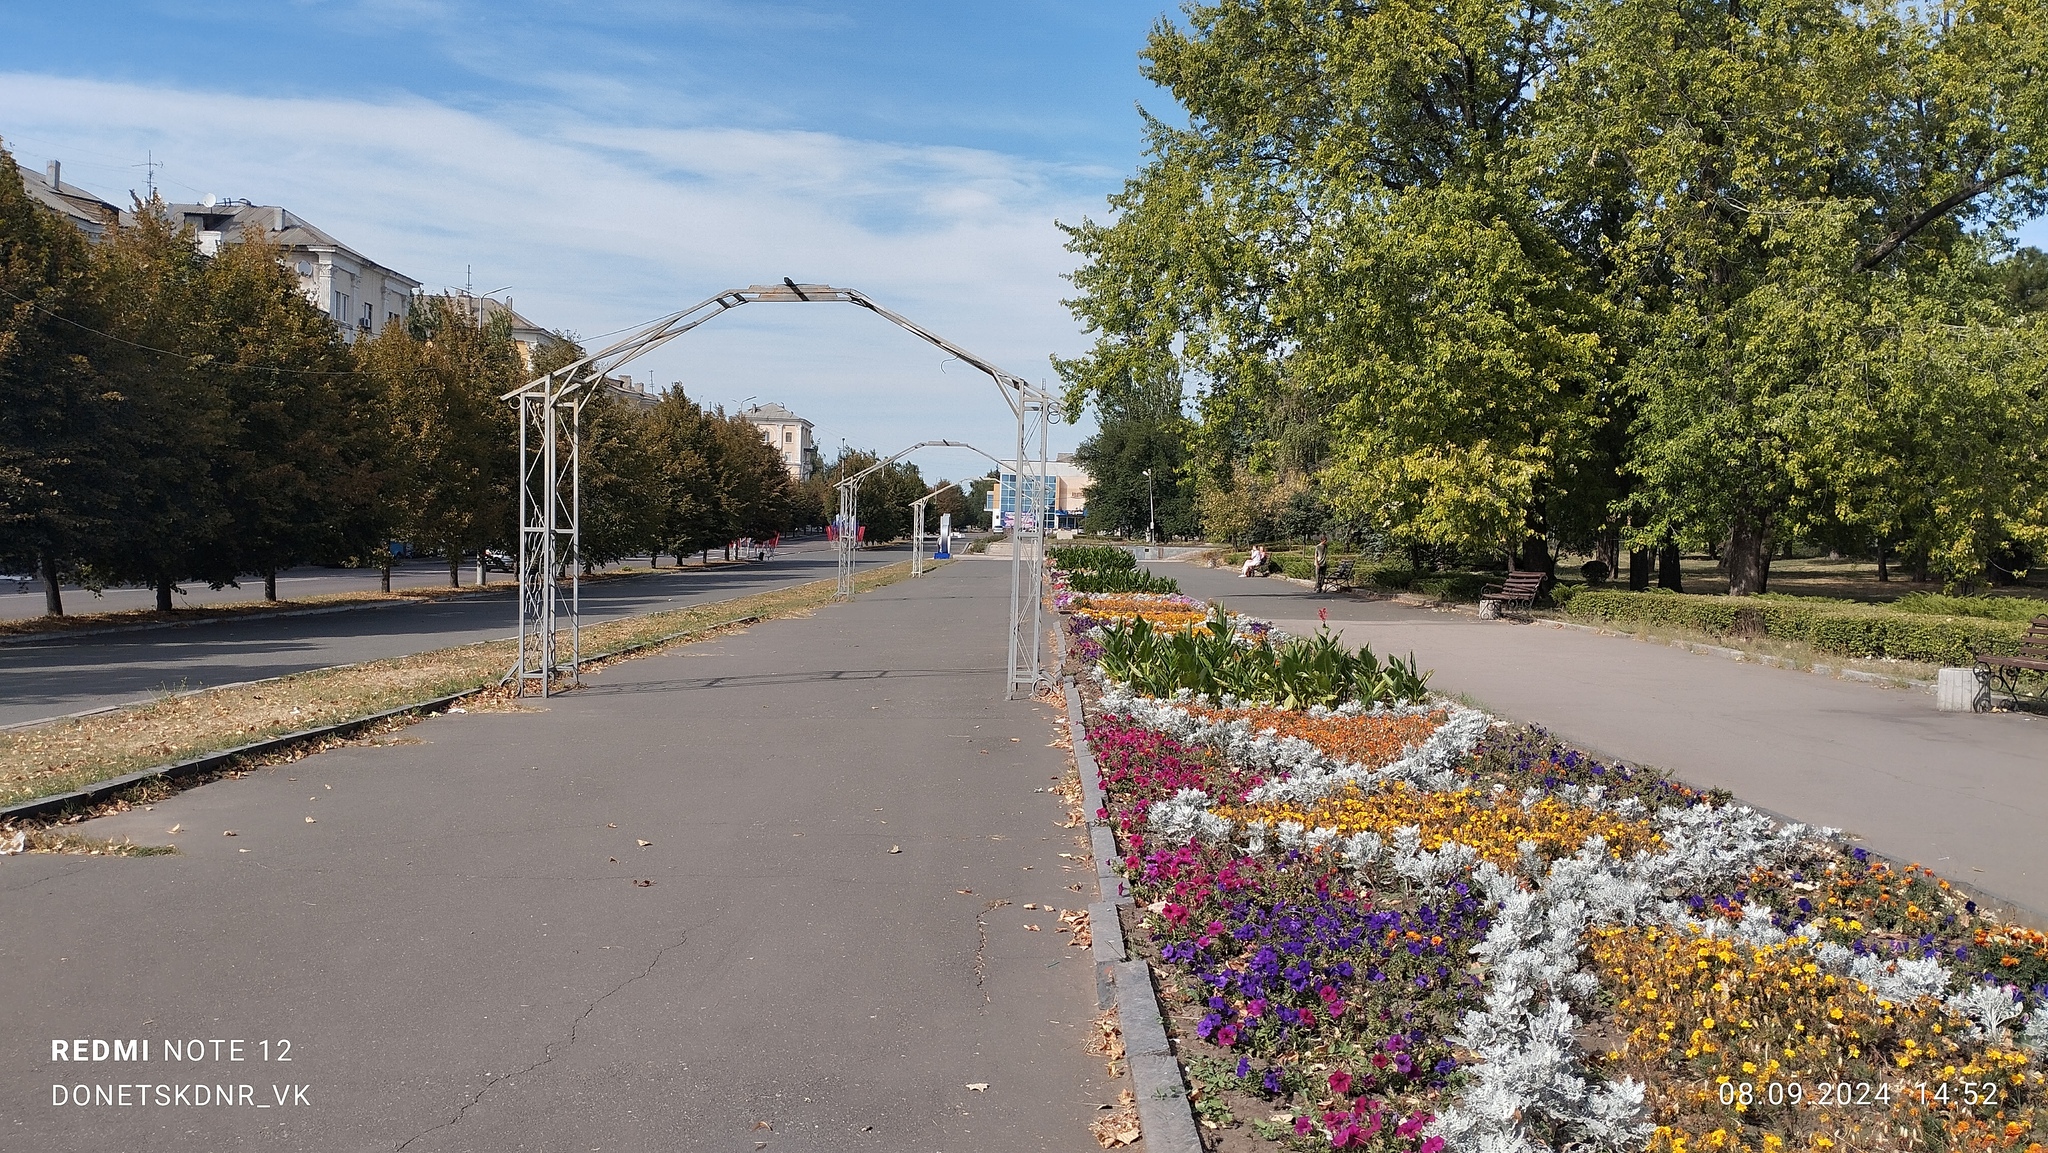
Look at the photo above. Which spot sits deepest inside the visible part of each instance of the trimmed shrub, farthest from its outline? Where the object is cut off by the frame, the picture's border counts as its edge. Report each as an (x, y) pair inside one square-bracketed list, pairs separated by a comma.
[(1990, 608), (1834, 626), (1091, 557)]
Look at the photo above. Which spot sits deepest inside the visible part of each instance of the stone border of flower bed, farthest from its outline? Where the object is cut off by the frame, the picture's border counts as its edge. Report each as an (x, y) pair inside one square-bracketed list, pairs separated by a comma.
[(1165, 1116)]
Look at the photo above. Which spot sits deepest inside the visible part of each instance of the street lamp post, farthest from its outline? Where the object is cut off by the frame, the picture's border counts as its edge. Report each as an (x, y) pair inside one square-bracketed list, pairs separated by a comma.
[(1151, 510)]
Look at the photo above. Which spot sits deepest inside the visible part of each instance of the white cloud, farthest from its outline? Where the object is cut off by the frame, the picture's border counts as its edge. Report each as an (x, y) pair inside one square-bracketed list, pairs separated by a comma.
[(599, 226)]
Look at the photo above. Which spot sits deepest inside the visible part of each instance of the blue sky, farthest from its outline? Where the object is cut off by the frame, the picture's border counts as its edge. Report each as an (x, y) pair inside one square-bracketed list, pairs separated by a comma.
[(611, 161)]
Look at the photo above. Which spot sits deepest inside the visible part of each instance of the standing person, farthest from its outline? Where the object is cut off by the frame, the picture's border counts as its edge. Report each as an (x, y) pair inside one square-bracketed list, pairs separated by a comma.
[(1322, 560)]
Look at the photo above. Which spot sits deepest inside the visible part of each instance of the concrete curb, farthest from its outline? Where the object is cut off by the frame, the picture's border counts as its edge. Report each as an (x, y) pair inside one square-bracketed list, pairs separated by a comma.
[(207, 762), (1165, 1116)]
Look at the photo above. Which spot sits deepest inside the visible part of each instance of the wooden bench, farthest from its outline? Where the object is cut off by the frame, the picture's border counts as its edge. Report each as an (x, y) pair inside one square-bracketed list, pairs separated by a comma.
[(1518, 592), (2003, 669), (1342, 577)]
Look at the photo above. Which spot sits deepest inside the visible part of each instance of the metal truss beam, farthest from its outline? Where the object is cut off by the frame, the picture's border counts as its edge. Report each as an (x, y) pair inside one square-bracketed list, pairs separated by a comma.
[(550, 415)]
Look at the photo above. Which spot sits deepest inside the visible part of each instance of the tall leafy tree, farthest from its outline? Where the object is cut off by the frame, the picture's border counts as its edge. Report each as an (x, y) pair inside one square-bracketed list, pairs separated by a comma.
[(170, 513), (442, 374), (60, 420), (303, 433), (691, 517)]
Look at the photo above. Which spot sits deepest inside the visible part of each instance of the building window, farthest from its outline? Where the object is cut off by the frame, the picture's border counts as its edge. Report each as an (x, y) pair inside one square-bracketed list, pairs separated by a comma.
[(367, 315), (788, 436), (341, 309)]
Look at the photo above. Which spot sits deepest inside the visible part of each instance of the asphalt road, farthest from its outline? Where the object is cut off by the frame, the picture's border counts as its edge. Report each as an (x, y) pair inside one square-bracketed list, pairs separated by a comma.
[(461, 952), (1964, 794), (62, 675), (19, 603)]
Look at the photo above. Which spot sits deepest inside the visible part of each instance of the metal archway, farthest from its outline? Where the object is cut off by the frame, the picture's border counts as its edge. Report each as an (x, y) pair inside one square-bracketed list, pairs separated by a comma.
[(849, 510), (917, 508), (551, 498)]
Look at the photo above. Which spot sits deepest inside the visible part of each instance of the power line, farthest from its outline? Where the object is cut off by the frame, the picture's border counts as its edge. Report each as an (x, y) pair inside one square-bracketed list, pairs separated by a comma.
[(168, 352)]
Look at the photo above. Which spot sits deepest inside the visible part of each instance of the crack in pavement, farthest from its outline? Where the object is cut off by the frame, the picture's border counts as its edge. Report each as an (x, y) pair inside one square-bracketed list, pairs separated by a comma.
[(549, 1053), (981, 949)]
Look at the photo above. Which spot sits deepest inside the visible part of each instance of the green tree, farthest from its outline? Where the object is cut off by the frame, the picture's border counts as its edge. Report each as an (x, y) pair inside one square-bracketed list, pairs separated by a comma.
[(443, 373), (60, 421), (169, 510), (755, 490), (690, 516), (303, 434)]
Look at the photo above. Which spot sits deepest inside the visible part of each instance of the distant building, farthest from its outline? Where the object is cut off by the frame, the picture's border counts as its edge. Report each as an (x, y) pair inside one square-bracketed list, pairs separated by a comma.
[(92, 215), (1065, 496), (788, 434), (361, 295), (532, 340)]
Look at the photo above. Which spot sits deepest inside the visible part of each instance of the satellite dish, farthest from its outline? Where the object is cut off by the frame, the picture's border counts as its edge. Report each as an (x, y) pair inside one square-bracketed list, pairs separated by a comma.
[(209, 200)]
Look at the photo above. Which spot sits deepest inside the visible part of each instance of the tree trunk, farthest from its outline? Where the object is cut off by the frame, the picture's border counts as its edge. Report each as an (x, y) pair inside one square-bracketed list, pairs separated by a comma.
[(53, 597), (1535, 556), (483, 575), (1608, 552), (163, 593), (1415, 558), (1638, 570), (1749, 555), (1884, 568), (1668, 576), (1920, 564), (386, 581), (454, 567)]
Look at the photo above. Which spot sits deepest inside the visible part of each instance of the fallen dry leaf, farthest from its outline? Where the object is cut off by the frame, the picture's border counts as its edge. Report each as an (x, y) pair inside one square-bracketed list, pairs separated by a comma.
[(1030, 905), (978, 1086), (309, 820), (769, 1125), (609, 825), (643, 884), (962, 892), (644, 844), (895, 848), (176, 828), (229, 833), (1032, 929)]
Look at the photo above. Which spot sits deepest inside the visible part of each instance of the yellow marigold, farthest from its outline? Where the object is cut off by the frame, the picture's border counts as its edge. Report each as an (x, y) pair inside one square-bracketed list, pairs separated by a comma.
[(1495, 824)]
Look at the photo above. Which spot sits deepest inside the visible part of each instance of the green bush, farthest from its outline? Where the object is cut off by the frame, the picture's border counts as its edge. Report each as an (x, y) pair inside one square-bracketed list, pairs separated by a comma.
[(1132, 580), (1091, 557), (1297, 673), (1990, 608), (1843, 627)]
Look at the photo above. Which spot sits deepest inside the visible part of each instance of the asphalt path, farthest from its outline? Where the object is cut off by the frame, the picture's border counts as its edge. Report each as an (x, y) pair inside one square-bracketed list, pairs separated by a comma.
[(462, 949), (61, 675), (1964, 794)]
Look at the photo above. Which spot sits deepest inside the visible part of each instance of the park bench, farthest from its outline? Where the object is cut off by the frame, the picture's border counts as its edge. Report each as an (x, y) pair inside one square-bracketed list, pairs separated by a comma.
[(1342, 577), (2004, 669), (1518, 592)]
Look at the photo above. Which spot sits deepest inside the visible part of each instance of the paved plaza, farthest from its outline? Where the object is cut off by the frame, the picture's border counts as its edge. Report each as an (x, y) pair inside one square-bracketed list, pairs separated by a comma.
[(667, 912)]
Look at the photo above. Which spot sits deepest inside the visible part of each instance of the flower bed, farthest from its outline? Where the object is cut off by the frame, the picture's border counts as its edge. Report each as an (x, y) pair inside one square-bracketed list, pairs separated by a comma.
[(1411, 927)]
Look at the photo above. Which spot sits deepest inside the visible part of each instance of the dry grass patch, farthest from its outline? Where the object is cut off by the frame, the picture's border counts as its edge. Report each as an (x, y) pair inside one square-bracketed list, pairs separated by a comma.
[(69, 755)]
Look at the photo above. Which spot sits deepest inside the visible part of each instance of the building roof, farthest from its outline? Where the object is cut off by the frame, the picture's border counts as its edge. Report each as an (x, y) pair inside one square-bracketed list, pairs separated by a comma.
[(772, 413), (82, 208), (231, 218)]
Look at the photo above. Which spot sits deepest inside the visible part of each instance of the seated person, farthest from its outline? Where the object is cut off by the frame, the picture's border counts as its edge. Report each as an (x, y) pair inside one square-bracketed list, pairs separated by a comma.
[(1255, 563)]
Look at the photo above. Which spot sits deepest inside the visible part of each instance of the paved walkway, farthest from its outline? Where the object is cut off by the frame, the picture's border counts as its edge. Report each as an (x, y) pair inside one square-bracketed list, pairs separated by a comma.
[(461, 954), (1966, 795), (59, 675)]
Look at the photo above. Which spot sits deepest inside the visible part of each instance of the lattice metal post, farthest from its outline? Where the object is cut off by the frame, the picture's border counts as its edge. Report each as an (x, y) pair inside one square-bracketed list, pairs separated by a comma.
[(849, 532), (917, 536)]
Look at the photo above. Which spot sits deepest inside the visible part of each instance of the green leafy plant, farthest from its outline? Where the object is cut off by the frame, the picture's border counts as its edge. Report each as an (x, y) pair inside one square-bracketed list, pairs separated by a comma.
[(1215, 662)]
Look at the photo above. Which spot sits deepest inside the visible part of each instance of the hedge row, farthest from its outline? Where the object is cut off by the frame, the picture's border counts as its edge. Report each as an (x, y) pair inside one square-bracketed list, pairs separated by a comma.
[(1845, 628)]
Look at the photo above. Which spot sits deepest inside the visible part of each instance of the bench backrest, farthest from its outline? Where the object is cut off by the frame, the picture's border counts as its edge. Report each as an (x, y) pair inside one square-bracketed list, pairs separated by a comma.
[(2036, 637), (1522, 582)]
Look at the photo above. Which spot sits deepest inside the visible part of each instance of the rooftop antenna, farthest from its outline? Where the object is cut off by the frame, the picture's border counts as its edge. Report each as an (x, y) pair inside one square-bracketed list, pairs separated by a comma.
[(149, 166)]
